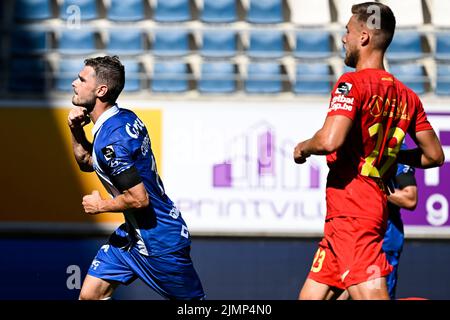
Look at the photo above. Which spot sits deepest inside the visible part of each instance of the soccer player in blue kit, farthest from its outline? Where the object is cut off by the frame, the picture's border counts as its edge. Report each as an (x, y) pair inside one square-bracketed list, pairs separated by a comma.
[(154, 243), (403, 195)]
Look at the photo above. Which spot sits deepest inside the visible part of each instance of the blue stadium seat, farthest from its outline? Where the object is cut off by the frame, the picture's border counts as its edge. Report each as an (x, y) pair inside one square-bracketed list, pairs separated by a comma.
[(67, 72), (219, 11), (313, 78), (26, 42), (265, 11), (219, 43), (87, 9), (25, 10), (170, 76), (172, 11), (133, 73), (27, 75), (171, 42), (217, 77), (263, 77), (411, 74), (77, 42), (443, 80), (266, 44), (126, 10), (442, 46), (406, 45), (313, 44), (125, 42)]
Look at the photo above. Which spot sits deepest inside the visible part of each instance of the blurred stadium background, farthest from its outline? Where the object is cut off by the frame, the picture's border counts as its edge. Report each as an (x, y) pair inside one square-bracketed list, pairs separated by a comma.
[(226, 88)]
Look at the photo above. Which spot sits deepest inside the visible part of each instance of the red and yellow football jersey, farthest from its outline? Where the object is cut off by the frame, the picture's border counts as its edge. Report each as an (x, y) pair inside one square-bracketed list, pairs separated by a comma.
[(383, 110)]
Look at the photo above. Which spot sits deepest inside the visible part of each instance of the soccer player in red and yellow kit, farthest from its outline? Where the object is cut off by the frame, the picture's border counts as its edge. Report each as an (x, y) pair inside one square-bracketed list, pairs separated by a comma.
[(369, 115)]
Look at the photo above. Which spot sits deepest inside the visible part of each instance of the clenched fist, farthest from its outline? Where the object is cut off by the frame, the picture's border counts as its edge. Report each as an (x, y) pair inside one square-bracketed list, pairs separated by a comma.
[(299, 155), (91, 202), (78, 118)]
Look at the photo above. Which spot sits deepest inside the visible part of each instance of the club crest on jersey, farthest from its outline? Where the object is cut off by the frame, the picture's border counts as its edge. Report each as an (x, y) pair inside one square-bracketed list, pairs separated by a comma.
[(344, 88), (108, 152)]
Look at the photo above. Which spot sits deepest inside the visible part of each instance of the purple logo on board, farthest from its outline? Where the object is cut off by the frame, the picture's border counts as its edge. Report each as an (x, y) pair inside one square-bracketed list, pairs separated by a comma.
[(433, 184), (256, 159)]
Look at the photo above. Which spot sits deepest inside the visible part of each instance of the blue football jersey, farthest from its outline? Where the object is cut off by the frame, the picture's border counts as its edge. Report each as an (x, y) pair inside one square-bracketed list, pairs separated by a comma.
[(394, 236), (121, 141)]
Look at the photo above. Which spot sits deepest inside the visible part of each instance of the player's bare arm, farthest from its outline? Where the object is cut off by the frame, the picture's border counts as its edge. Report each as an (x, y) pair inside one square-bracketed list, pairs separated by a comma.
[(404, 198), (325, 141), (82, 148), (429, 153), (133, 198)]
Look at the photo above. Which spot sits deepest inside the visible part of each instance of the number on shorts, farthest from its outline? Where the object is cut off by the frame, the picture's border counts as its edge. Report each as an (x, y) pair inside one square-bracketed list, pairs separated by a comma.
[(318, 260)]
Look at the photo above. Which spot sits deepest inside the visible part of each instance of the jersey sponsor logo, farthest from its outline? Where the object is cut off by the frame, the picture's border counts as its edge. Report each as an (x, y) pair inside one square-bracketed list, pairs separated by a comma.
[(340, 102), (145, 146), (141, 247), (108, 152), (134, 129), (114, 163), (383, 107), (184, 232), (343, 88), (174, 213), (407, 169), (95, 263)]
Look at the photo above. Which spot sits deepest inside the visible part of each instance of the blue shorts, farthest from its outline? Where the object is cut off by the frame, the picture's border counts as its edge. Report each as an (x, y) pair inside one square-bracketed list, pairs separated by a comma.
[(393, 246), (171, 275), (393, 258)]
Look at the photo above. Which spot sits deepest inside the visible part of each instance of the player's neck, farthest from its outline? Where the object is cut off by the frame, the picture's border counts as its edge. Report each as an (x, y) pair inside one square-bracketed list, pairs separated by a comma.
[(98, 110), (371, 60)]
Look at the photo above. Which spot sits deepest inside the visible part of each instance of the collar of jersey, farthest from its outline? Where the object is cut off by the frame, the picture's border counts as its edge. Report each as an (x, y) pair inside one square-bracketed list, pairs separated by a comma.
[(103, 117)]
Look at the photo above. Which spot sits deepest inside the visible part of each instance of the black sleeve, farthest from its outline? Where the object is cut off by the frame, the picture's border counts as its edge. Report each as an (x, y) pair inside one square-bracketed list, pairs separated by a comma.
[(406, 179), (126, 179)]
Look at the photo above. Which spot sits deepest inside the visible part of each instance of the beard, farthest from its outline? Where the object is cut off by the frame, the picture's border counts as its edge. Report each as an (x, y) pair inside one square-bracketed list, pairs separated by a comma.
[(351, 58), (87, 103)]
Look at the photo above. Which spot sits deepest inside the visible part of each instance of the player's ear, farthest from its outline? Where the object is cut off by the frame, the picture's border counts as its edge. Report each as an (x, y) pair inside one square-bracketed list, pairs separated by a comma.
[(364, 38), (102, 90)]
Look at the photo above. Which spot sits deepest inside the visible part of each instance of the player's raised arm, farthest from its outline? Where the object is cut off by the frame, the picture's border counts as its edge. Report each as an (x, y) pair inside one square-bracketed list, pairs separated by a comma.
[(82, 148), (429, 153)]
